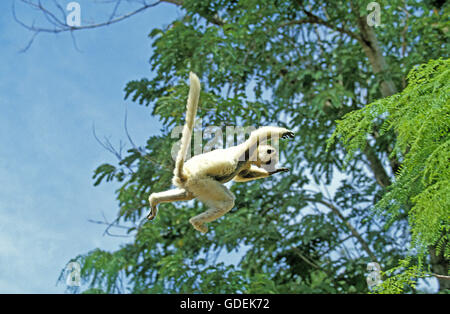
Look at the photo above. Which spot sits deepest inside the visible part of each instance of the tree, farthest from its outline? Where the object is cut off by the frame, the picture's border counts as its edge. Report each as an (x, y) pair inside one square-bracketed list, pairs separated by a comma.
[(420, 118), (293, 63)]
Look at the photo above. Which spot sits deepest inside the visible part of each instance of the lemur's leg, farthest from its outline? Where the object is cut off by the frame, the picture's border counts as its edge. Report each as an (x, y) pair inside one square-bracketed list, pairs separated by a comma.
[(215, 196), (255, 173), (165, 197)]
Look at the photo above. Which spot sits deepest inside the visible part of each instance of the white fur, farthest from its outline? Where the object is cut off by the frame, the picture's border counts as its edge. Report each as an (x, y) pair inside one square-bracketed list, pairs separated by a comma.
[(202, 176)]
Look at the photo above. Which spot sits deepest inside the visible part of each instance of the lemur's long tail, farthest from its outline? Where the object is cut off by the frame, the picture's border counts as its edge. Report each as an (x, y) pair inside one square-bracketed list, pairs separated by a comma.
[(191, 111)]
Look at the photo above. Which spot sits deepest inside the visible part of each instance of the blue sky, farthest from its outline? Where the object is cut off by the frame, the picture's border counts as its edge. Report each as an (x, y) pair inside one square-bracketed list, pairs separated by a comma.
[(50, 96)]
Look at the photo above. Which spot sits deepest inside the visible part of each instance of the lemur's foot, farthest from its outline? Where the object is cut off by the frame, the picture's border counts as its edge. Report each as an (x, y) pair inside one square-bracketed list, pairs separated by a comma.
[(198, 226), (152, 213)]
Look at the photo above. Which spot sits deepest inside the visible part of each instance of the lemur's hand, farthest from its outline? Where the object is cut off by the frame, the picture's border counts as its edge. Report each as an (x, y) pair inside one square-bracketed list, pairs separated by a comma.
[(279, 170), (288, 134)]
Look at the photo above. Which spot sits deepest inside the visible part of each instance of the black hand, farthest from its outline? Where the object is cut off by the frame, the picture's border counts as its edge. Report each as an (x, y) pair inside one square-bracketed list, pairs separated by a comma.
[(279, 170), (289, 134)]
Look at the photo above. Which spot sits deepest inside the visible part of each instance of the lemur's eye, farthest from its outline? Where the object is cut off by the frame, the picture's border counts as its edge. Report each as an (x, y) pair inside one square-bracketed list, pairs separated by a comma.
[(269, 151)]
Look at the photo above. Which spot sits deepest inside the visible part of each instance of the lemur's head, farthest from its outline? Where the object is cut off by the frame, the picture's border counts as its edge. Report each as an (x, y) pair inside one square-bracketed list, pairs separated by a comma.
[(267, 157)]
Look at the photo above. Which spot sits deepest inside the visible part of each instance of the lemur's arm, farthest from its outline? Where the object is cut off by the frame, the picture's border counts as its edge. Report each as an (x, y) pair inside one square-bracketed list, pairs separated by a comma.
[(255, 173), (248, 149)]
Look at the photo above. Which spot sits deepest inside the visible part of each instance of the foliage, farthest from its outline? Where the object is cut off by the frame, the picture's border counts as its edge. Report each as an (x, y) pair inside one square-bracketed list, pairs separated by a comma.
[(290, 63), (399, 277), (420, 118)]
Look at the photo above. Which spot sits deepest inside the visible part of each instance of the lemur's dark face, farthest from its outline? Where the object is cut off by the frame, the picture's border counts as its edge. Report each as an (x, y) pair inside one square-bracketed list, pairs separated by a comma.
[(268, 157)]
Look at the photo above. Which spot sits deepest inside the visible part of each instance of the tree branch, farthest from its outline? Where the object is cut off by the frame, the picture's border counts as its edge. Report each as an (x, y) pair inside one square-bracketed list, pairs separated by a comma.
[(115, 224), (352, 229), (440, 276), (59, 24), (307, 260), (63, 27), (374, 53), (140, 150), (366, 38), (376, 166)]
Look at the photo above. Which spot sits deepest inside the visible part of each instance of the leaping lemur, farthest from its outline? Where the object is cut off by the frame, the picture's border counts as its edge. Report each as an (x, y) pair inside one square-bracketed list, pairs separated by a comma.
[(203, 176)]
